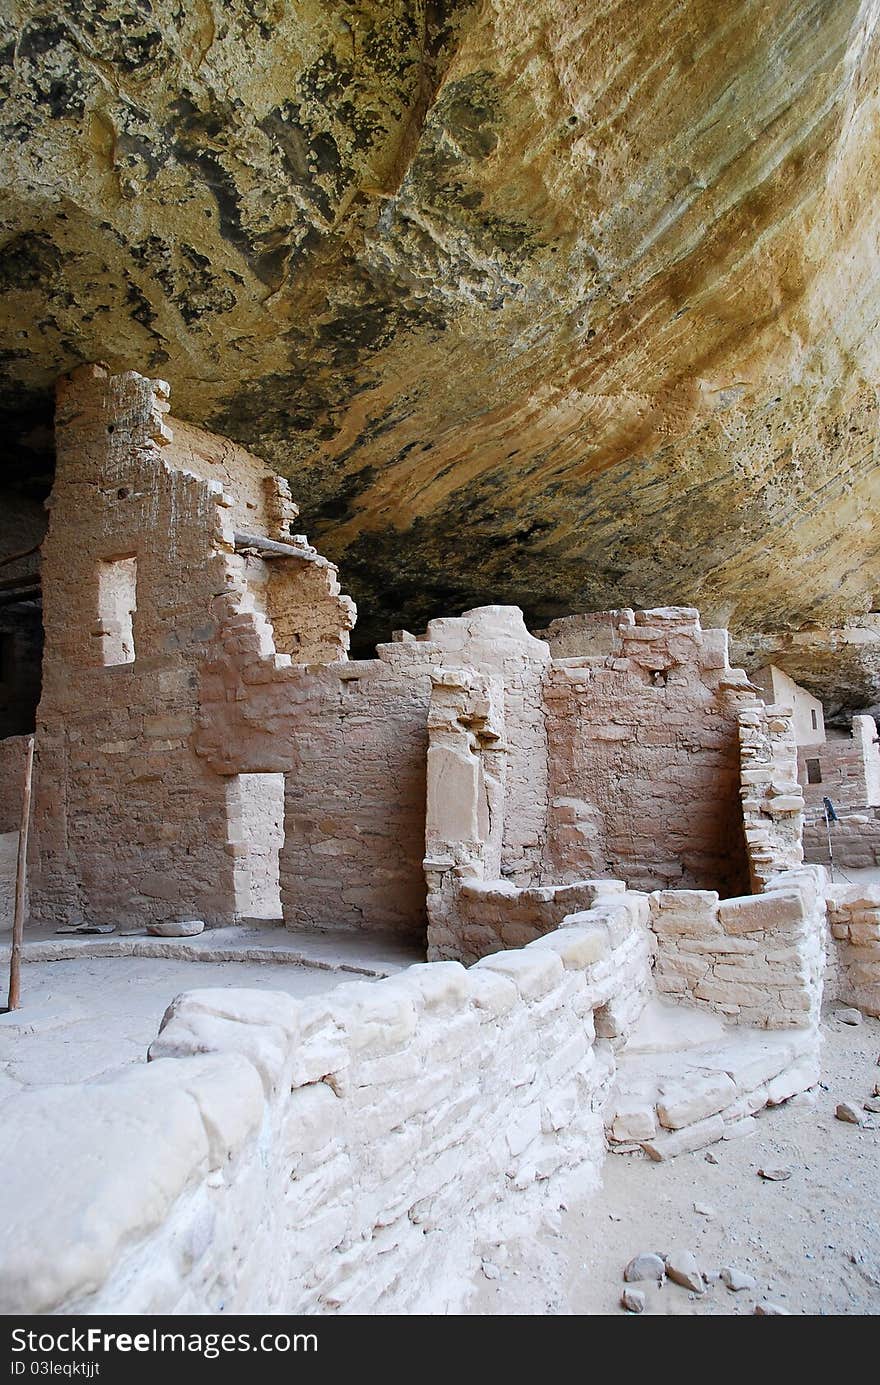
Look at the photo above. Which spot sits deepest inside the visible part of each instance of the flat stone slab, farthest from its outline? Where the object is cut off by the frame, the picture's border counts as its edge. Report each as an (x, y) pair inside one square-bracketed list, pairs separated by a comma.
[(176, 928), (670, 1028)]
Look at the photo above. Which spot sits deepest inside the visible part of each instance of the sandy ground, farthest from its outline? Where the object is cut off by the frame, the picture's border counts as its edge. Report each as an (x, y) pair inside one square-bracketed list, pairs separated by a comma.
[(84, 1019), (812, 1243)]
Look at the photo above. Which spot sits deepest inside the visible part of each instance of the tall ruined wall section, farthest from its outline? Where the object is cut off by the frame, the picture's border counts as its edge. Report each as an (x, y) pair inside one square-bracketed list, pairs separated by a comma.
[(772, 802), (644, 764), (494, 640), (129, 824), (352, 739)]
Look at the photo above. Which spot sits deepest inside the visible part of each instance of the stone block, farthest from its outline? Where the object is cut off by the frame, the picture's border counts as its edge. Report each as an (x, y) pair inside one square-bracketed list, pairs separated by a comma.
[(576, 948), (534, 971), (691, 1101), (669, 1145), (798, 1078), (120, 1176), (768, 912), (634, 1121)]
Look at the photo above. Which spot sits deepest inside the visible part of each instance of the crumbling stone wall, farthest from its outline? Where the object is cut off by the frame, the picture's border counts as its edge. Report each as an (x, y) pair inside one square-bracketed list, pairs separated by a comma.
[(352, 1153), (772, 802), (352, 739), (758, 959), (131, 824), (854, 916), (849, 766), (644, 769), (254, 490), (855, 839), (128, 824)]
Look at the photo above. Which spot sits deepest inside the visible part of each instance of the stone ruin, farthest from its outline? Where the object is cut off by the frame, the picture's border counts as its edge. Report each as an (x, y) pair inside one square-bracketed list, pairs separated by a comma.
[(570, 825)]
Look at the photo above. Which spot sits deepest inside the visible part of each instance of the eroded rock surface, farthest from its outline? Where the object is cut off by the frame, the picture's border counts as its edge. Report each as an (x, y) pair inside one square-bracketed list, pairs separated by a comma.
[(569, 307)]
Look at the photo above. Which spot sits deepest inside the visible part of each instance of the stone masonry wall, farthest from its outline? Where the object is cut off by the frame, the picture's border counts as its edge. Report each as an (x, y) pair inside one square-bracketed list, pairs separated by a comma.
[(352, 1153), (758, 960), (143, 569), (355, 797), (352, 739), (246, 479), (644, 772), (850, 768), (854, 916), (855, 839), (13, 752), (129, 825), (479, 917)]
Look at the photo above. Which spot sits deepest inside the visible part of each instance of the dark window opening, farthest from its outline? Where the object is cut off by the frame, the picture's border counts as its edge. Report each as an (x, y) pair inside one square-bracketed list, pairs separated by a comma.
[(7, 658), (814, 770), (814, 718)]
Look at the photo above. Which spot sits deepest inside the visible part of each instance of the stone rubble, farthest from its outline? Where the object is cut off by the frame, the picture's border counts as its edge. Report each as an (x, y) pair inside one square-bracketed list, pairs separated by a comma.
[(633, 1300), (647, 1265), (682, 1268), (849, 1112)]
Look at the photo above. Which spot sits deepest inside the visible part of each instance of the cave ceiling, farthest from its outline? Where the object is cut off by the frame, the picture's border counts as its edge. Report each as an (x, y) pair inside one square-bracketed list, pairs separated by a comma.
[(562, 304)]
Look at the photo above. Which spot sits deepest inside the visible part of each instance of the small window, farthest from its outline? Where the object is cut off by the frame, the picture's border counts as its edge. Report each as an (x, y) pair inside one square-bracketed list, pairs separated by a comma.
[(7, 658), (814, 770), (117, 602), (814, 719)]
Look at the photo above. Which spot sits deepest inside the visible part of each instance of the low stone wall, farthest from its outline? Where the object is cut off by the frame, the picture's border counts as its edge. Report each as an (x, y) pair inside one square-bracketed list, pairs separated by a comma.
[(854, 916), (758, 960), (855, 839), (349, 1153), (13, 752), (480, 917)]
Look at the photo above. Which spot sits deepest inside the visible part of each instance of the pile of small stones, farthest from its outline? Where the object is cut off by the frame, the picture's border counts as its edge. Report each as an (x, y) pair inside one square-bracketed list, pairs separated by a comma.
[(680, 1267)]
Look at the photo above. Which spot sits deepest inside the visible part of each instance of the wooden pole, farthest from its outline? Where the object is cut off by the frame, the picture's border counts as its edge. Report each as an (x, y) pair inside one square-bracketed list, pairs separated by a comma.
[(20, 877)]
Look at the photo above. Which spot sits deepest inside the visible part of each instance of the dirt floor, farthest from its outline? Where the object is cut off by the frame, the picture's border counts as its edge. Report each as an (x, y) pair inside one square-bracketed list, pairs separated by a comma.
[(84, 1015), (811, 1242), (83, 1020)]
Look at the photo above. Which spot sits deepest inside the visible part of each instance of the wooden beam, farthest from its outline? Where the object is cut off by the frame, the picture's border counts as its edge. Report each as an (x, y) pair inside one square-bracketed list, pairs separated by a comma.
[(270, 548)]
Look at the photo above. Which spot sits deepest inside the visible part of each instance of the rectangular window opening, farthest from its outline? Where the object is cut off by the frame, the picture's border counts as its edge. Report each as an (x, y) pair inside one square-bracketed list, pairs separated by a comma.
[(117, 602), (815, 719), (814, 770), (7, 658)]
